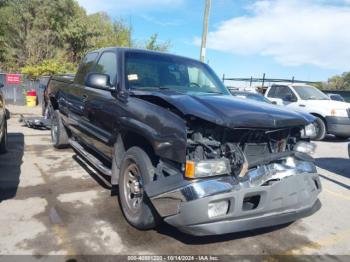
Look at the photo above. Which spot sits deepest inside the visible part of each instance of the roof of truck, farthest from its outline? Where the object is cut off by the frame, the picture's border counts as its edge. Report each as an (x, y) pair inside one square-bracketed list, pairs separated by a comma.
[(139, 50)]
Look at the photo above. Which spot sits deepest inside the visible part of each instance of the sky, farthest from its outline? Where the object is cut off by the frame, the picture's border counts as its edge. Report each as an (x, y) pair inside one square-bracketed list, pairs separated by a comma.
[(307, 39)]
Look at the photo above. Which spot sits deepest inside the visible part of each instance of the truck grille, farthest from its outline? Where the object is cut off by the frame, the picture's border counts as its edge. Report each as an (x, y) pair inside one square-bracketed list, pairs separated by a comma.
[(254, 151)]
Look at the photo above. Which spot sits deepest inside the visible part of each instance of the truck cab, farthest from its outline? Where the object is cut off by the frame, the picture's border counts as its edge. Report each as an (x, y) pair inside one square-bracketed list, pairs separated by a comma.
[(333, 117)]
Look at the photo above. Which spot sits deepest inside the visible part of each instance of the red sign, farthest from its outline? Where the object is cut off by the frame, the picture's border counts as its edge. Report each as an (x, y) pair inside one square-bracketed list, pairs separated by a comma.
[(13, 79)]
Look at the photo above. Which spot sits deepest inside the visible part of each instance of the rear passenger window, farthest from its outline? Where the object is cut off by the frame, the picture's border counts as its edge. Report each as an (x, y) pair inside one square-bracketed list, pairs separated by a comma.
[(283, 91), (107, 64), (272, 91), (85, 67), (280, 92)]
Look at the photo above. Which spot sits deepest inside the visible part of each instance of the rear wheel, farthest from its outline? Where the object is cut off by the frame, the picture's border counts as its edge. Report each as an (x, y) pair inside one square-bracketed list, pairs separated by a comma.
[(43, 108), (320, 127), (136, 170), (59, 134), (3, 141)]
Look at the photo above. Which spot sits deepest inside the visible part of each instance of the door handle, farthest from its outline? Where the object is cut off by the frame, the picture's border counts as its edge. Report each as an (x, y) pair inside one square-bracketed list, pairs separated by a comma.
[(302, 105), (84, 98)]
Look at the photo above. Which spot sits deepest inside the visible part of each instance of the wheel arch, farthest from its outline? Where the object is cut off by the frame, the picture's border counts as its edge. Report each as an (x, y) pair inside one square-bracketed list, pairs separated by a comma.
[(321, 117), (124, 141)]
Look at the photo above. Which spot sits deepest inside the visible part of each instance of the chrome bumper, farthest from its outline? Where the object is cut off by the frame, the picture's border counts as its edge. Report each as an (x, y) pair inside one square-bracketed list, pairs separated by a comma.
[(269, 179)]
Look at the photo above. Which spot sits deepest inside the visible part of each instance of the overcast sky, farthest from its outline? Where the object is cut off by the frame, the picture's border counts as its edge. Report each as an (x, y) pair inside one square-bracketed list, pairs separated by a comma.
[(308, 39)]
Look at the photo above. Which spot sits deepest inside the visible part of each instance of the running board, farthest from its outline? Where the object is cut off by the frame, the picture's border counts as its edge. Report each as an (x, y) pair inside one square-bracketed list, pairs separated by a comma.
[(90, 158)]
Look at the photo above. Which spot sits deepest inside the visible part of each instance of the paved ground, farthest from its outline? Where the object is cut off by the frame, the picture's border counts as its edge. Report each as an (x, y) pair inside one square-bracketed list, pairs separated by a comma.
[(52, 203)]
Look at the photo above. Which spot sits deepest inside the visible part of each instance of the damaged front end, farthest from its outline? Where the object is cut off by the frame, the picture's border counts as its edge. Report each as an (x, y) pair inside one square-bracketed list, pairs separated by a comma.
[(237, 179)]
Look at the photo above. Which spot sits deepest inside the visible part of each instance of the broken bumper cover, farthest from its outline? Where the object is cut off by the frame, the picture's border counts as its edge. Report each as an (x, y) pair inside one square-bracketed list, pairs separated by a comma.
[(280, 202), (245, 223)]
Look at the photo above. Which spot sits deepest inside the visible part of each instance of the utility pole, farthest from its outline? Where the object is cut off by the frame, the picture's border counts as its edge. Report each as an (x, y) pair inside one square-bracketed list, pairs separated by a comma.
[(205, 30)]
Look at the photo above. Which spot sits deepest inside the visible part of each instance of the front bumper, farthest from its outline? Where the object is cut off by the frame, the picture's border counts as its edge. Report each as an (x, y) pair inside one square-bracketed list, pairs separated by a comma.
[(249, 223), (339, 126), (283, 201)]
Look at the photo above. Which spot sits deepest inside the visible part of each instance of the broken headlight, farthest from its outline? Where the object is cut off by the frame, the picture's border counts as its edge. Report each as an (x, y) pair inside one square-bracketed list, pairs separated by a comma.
[(305, 147), (207, 168)]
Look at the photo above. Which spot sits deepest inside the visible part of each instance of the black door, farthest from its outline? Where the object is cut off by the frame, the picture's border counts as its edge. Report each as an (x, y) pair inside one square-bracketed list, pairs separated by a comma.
[(100, 109), (76, 97)]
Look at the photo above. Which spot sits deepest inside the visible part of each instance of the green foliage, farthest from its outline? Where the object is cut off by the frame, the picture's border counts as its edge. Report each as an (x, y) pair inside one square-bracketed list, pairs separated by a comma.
[(48, 67), (37, 33), (338, 82), (153, 45)]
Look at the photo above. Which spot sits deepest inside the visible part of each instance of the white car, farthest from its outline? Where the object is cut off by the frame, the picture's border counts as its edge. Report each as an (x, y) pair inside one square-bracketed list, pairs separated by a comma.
[(333, 117)]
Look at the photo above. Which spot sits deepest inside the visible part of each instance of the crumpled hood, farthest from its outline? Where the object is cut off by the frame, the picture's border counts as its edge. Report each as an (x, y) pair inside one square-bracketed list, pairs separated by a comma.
[(232, 112)]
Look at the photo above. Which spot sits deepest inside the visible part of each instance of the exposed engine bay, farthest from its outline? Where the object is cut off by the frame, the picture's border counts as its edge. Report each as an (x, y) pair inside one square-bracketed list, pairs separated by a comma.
[(240, 146)]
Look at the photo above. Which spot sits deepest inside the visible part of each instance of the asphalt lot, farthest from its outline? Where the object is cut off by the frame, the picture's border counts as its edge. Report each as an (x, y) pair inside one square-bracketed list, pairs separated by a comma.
[(51, 202)]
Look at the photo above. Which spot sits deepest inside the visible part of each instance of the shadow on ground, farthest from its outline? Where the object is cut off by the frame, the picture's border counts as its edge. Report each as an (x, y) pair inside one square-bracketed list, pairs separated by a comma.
[(334, 139), (338, 166), (170, 231), (10, 166)]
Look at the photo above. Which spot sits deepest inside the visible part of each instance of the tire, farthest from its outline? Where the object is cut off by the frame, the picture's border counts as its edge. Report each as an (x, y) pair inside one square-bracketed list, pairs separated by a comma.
[(3, 142), (321, 130), (136, 170), (43, 108), (59, 134)]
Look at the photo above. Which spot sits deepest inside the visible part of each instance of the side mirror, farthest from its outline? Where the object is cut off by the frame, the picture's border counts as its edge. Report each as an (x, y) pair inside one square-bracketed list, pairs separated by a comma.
[(1, 85), (274, 102), (99, 81), (290, 98)]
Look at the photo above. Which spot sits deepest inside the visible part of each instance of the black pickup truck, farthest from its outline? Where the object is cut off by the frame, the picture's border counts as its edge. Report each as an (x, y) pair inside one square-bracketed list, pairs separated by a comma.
[(180, 148)]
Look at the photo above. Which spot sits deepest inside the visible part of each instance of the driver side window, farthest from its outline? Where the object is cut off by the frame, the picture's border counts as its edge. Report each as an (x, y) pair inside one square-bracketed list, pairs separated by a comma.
[(285, 93), (107, 64)]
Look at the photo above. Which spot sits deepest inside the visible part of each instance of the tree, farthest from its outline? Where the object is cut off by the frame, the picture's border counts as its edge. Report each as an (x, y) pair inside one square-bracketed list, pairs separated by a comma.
[(337, 82), (36, 31), (153, 45), (32, 31), (48, 67)]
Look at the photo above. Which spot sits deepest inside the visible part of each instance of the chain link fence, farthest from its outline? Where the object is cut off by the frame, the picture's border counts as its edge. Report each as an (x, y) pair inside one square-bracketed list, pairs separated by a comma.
[(16, 93)]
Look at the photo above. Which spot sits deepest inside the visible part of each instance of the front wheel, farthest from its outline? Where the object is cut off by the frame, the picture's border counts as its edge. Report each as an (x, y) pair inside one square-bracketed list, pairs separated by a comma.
[(136, 170), (3, 141), (59, 135), (320, 127)]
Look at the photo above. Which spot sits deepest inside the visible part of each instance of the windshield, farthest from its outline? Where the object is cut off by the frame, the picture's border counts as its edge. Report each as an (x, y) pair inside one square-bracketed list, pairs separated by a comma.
[(337, 98), (160, 71), (310, 93)]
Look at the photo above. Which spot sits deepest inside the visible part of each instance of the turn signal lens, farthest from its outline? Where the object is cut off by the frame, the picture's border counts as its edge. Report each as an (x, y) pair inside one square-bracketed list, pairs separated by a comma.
[(189, 172)]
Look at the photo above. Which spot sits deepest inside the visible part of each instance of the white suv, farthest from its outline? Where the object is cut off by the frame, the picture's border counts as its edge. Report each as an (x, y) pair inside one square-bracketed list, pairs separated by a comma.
[(333, 117)]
